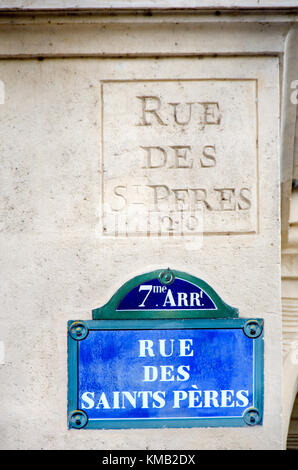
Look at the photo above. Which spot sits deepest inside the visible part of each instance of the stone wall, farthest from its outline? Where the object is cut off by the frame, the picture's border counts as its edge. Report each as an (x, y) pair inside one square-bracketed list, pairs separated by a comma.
[(154, 116)]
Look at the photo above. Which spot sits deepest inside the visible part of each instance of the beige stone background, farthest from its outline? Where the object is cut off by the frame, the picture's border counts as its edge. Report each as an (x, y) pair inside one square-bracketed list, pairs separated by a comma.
[(55, 263)]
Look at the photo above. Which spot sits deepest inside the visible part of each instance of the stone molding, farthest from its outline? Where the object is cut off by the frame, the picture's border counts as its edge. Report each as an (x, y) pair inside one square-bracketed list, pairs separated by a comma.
[(147, 4)]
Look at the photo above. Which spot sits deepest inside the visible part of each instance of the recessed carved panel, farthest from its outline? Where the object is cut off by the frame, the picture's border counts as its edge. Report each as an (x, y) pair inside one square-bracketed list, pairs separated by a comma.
[(179, 157)]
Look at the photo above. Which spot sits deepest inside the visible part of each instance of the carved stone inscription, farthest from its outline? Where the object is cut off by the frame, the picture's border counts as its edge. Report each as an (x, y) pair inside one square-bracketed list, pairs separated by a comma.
[(179, 157)]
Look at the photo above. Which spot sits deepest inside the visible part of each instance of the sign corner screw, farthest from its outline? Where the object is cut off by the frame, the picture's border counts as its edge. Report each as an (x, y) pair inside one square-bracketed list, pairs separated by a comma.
[(78, 330), (252, 416), (253, 328), (78, 419)]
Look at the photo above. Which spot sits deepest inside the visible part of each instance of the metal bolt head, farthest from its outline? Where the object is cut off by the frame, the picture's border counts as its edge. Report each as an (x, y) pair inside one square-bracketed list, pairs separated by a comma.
[(167, 277), (78, 419), (78, 330), (252, 416), (253, 328)]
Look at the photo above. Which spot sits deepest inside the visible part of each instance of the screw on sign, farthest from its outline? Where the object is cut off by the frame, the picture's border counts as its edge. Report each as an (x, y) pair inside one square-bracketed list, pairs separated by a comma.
[(252, 417), (78, 419), (166, 277), (78, 330), (253, 328)]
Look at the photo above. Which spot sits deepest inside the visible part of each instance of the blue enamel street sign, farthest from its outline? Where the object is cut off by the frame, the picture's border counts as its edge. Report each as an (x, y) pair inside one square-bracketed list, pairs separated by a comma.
[(165, 372)]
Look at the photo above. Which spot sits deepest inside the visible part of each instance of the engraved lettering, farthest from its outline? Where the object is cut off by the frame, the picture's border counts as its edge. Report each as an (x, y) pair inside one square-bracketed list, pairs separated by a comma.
[(211, 113), (167, 224), (208, 160), (184, 199), (200, 196), (245, 202), (181, 156), (188, 114), (181, 197), (161, 193), (117, 193), (227, 199), (150, 106), (156, 157)]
